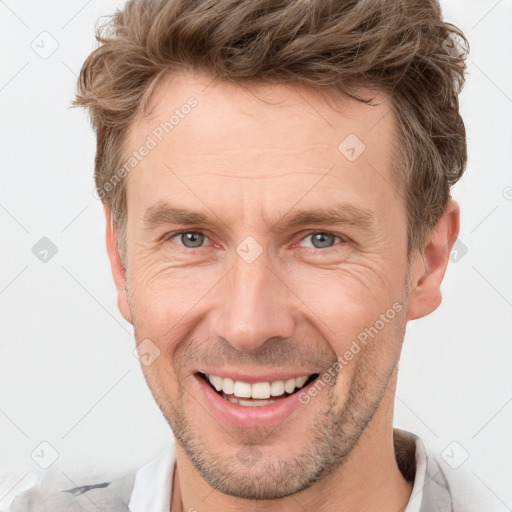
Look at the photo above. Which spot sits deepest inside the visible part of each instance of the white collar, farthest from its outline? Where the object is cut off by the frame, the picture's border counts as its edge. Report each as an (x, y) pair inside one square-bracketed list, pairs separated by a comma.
[(419, 479), (153, 483)]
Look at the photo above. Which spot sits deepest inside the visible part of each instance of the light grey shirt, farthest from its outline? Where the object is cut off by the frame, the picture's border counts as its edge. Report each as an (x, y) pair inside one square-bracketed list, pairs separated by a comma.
[(149, 488)]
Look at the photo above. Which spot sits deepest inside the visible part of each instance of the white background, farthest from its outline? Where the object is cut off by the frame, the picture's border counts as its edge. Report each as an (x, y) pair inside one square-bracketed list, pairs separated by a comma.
[(68, 375)]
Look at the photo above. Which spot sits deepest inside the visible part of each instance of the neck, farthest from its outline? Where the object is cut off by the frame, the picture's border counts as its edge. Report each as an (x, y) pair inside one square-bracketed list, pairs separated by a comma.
[(368, 480)]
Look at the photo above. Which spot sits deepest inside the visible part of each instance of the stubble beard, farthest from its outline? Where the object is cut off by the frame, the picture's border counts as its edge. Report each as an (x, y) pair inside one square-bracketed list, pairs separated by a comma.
[(265, 477)]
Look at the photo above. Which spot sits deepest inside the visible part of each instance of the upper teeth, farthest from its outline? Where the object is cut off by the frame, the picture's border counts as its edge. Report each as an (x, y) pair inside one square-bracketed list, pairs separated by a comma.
[(258, 389)]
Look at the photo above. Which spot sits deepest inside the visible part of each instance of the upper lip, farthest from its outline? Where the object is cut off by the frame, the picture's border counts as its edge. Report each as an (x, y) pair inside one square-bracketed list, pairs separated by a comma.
[(252, 378)]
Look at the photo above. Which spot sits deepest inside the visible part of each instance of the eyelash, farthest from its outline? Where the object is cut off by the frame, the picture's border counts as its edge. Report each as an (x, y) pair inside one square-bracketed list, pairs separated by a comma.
[(342, 238)]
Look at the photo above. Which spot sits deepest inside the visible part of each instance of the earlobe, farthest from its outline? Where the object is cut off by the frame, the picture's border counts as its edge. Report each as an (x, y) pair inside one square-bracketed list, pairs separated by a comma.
[(116, 264), (428, 267)]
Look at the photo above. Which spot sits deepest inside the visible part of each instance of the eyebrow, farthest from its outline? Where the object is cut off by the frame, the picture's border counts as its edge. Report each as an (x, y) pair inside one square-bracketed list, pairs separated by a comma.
[(164, 213), (341, 214)]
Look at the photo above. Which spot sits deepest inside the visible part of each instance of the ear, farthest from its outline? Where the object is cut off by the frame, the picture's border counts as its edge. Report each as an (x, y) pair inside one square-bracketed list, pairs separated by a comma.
[(118, 270), (429, 265)]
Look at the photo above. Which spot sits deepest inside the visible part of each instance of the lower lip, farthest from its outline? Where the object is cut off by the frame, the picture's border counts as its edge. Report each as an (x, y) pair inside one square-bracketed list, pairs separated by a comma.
[(240, 416)]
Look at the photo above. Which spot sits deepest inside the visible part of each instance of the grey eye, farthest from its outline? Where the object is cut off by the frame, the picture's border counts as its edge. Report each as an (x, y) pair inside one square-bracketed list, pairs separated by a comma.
[(322, 240), (191, 239)]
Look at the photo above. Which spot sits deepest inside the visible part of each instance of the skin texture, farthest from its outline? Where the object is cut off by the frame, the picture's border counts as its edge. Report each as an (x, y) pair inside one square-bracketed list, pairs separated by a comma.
[(246, 158)]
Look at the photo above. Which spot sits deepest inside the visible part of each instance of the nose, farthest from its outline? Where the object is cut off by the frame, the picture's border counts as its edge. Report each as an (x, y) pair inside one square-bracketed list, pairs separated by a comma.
[(255, 305)]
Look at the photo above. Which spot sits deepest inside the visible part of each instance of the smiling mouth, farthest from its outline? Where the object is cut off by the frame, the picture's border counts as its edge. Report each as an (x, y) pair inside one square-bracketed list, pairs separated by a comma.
[(259, 393)]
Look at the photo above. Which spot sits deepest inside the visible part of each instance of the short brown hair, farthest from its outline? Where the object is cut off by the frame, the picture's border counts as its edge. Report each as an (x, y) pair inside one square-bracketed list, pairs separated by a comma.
[(400, 47)]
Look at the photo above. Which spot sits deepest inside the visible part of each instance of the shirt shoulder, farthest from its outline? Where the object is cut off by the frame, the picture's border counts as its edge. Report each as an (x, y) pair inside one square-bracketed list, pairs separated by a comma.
[(108, 495), (438, 486), (469, 493), (145, 489)]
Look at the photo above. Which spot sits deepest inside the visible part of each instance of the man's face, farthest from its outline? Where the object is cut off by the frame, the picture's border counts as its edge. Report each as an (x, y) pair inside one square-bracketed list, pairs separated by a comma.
[(250, 294)]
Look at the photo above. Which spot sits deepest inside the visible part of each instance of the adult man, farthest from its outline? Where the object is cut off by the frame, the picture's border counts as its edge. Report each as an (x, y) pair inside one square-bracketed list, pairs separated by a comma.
[(276, 179)]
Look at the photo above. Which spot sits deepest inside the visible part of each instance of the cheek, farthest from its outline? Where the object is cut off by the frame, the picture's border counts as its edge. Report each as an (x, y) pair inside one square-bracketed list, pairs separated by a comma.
[(163, 289), (344, 302), (166, 306)]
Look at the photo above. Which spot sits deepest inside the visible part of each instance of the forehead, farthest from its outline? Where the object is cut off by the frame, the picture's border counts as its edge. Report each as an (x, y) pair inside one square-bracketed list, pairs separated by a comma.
[(272, 136), (195, 114)]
